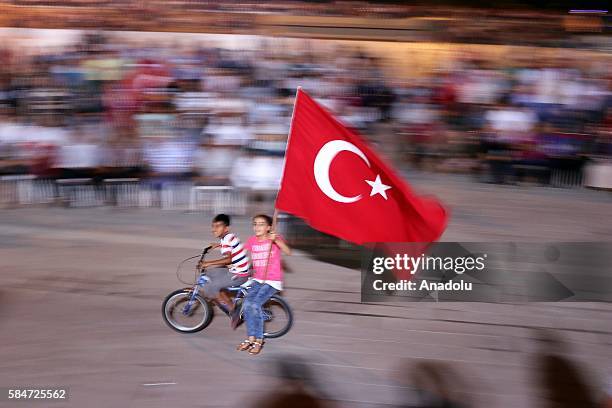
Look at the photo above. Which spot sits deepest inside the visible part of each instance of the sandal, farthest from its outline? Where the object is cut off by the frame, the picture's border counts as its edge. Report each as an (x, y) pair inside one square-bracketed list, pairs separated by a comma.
[(245, 345), (256, 347)]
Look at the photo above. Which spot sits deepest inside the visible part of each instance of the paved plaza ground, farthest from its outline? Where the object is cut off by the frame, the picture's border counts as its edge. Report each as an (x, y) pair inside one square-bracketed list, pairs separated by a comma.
[(81, 292)]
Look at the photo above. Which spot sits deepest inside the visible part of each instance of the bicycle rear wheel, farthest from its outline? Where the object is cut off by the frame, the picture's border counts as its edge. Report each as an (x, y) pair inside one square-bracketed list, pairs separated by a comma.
[(185, 318), (278, 317)]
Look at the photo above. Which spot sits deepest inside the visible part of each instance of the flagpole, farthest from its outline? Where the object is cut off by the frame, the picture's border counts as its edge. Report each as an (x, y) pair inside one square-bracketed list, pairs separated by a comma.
[(275, 216), (285, 156)]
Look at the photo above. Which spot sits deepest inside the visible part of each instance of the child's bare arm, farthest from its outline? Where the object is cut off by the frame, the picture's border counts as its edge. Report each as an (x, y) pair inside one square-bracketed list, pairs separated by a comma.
[(226, 260), (281, 244)]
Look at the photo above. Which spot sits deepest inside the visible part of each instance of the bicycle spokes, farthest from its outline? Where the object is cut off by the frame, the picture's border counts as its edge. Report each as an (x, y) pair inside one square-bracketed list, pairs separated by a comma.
[(185, 312), (190, 307)]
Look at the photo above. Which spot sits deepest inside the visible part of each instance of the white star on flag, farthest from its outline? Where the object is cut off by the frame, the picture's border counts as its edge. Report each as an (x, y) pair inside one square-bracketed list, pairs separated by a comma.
[(378, 187)]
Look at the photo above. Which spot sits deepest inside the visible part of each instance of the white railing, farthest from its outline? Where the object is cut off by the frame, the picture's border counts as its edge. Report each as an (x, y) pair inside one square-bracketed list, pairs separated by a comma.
[(218, 199), (566, 178), (122, 192), (18, 191), (168, 196), (79, 192)]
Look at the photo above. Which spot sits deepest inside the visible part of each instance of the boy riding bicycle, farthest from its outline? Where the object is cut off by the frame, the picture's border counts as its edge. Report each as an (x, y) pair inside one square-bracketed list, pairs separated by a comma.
[(230, 270)]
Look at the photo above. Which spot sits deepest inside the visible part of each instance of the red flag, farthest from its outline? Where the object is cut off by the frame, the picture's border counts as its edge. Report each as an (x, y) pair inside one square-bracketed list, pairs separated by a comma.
[(338, 185)]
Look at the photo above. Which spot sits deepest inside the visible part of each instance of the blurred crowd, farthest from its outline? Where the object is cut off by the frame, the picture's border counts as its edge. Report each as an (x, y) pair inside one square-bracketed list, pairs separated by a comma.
[(556, 380), (111, 109), (520, 119)]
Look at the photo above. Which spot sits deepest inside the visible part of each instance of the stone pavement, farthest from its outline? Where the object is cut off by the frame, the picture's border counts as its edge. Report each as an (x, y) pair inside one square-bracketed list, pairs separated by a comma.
[(81, 292)]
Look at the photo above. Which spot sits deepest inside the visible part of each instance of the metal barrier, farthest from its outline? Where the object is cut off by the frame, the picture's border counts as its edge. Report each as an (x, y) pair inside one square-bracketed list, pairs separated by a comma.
[(176, 196), (23, 190), (79, 192), (45, 191), (16, 190), (168, 196), (122, 192), (218, 199), (566, 178)]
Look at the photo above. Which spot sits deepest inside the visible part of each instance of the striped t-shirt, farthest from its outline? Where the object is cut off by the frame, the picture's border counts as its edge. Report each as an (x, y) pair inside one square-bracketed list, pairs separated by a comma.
[(240, 256)]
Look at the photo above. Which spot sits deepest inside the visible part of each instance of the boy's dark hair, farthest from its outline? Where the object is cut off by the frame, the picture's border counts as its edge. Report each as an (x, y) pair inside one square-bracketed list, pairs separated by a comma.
[(222, 218), (265, 217)]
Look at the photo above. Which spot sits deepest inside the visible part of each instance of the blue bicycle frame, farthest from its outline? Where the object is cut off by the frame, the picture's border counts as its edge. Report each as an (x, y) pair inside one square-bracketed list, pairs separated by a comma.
[(241, 294), (203, 279)]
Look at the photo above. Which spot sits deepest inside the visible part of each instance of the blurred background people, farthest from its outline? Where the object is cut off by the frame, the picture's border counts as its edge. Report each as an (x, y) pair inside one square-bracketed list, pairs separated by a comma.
[(520, 116), (562, 381), (296, 386), (435, 385)]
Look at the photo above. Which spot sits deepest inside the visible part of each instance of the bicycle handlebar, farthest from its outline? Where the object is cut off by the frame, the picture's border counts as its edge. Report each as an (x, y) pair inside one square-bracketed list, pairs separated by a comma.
[(204, 252)]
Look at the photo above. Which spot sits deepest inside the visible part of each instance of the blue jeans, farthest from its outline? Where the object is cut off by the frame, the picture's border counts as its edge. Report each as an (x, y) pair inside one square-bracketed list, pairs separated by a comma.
[(257, 295)]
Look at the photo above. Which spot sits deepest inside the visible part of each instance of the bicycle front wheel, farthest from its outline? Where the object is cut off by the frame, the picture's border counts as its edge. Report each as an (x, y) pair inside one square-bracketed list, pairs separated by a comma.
[(278, 317), (185, 316)]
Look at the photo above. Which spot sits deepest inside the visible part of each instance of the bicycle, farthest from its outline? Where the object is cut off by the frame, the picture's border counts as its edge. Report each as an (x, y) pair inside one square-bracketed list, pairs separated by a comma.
[(187, 304)]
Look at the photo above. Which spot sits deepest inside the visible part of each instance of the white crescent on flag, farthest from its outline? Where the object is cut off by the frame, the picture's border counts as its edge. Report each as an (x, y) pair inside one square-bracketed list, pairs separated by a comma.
[(323, 161)]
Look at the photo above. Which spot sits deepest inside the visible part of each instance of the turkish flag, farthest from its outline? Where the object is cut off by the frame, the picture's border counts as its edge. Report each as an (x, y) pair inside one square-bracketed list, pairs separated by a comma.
[(338, 185)]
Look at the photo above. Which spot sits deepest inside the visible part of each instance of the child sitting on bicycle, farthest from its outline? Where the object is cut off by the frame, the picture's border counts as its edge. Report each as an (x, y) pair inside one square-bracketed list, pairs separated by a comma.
[(265, 248), (230, 270)]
